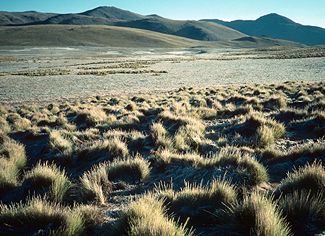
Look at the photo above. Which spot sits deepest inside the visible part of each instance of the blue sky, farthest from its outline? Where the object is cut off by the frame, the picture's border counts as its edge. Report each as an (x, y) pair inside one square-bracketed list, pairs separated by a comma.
[(310, 12)]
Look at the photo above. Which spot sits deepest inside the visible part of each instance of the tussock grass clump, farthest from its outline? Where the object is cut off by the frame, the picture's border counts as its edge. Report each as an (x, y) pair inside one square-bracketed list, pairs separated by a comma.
[(147, 216), (90, 116), (38, 215), (290, 114), (105, 149), (255, 215), (276, 102), (261, 129), (251, 171), (313, 151), (59, 141), (133, 169), (14, 152), (165, 157), (305, 212), (314, 126), (12, 161), (50, 176), (95, 183), (309, 178), (4, 126), (160, 136), (117, 148), (197, 203)]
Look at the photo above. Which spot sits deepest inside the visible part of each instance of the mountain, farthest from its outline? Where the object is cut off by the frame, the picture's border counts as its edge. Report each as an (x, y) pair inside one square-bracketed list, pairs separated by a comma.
[(117, 17), (277, 26), (90, 35), (236, 33), (23, 18), (112, 13), (190, 29)]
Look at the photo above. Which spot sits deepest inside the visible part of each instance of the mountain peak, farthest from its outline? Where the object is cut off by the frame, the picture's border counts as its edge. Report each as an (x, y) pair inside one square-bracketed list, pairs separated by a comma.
[(112, 13), (274, 18)]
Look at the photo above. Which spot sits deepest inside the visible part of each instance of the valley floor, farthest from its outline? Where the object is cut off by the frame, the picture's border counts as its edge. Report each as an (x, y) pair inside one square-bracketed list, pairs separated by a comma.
[(45, 74)]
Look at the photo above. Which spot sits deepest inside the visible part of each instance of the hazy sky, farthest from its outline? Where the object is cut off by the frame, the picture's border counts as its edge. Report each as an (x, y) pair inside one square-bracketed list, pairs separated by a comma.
[(303, 11)]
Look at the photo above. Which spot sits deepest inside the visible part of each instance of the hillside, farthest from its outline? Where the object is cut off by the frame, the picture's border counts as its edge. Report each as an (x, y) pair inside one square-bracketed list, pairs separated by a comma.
[(189, 29), (71, 35), (22, 18), (113, 16), (112, 13), (276, 26)]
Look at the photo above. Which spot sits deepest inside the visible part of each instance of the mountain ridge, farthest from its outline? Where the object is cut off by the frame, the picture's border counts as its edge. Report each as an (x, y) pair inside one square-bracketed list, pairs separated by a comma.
[(269, 26), (277, 26)]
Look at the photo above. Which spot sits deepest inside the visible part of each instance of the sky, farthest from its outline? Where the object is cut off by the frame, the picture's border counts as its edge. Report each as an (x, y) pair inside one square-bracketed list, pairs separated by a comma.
[(309, 12)]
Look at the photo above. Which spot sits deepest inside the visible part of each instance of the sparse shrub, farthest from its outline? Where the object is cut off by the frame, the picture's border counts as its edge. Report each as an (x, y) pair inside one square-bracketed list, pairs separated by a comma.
[(309, 178), (197, 203), (95, 183), (256, 215), (132, 169), (50, 176), (147, 216)]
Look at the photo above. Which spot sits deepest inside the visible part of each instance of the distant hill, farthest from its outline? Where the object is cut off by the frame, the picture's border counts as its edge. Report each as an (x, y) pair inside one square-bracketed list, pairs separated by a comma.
[(189, 29), (75, 35), (112, 13), (23, 18), (236, 33), (113, 16), (277, 26)]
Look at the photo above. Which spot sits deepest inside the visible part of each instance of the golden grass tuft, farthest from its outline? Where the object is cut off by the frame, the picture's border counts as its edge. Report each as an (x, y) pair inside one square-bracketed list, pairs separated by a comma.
[(256, 215), (133, 169), (147, 216), (39, 215), (197, 203), (308, 178), (49, 175), (95, 183)]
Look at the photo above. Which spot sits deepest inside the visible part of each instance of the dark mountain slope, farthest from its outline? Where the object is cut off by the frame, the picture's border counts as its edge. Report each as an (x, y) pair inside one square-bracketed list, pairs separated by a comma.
[(280, 27), (189, 29), (112, 13), (22, 18)]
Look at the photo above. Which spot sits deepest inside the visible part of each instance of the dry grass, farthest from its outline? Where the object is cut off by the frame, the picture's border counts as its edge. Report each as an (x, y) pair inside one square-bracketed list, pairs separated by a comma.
[(256, 215), (133, 169), (50, 176), (147, 216), (12, 161), (308, 178), (39, 215), (95, 183), (224, 150), (305, 212), (197, 203)]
